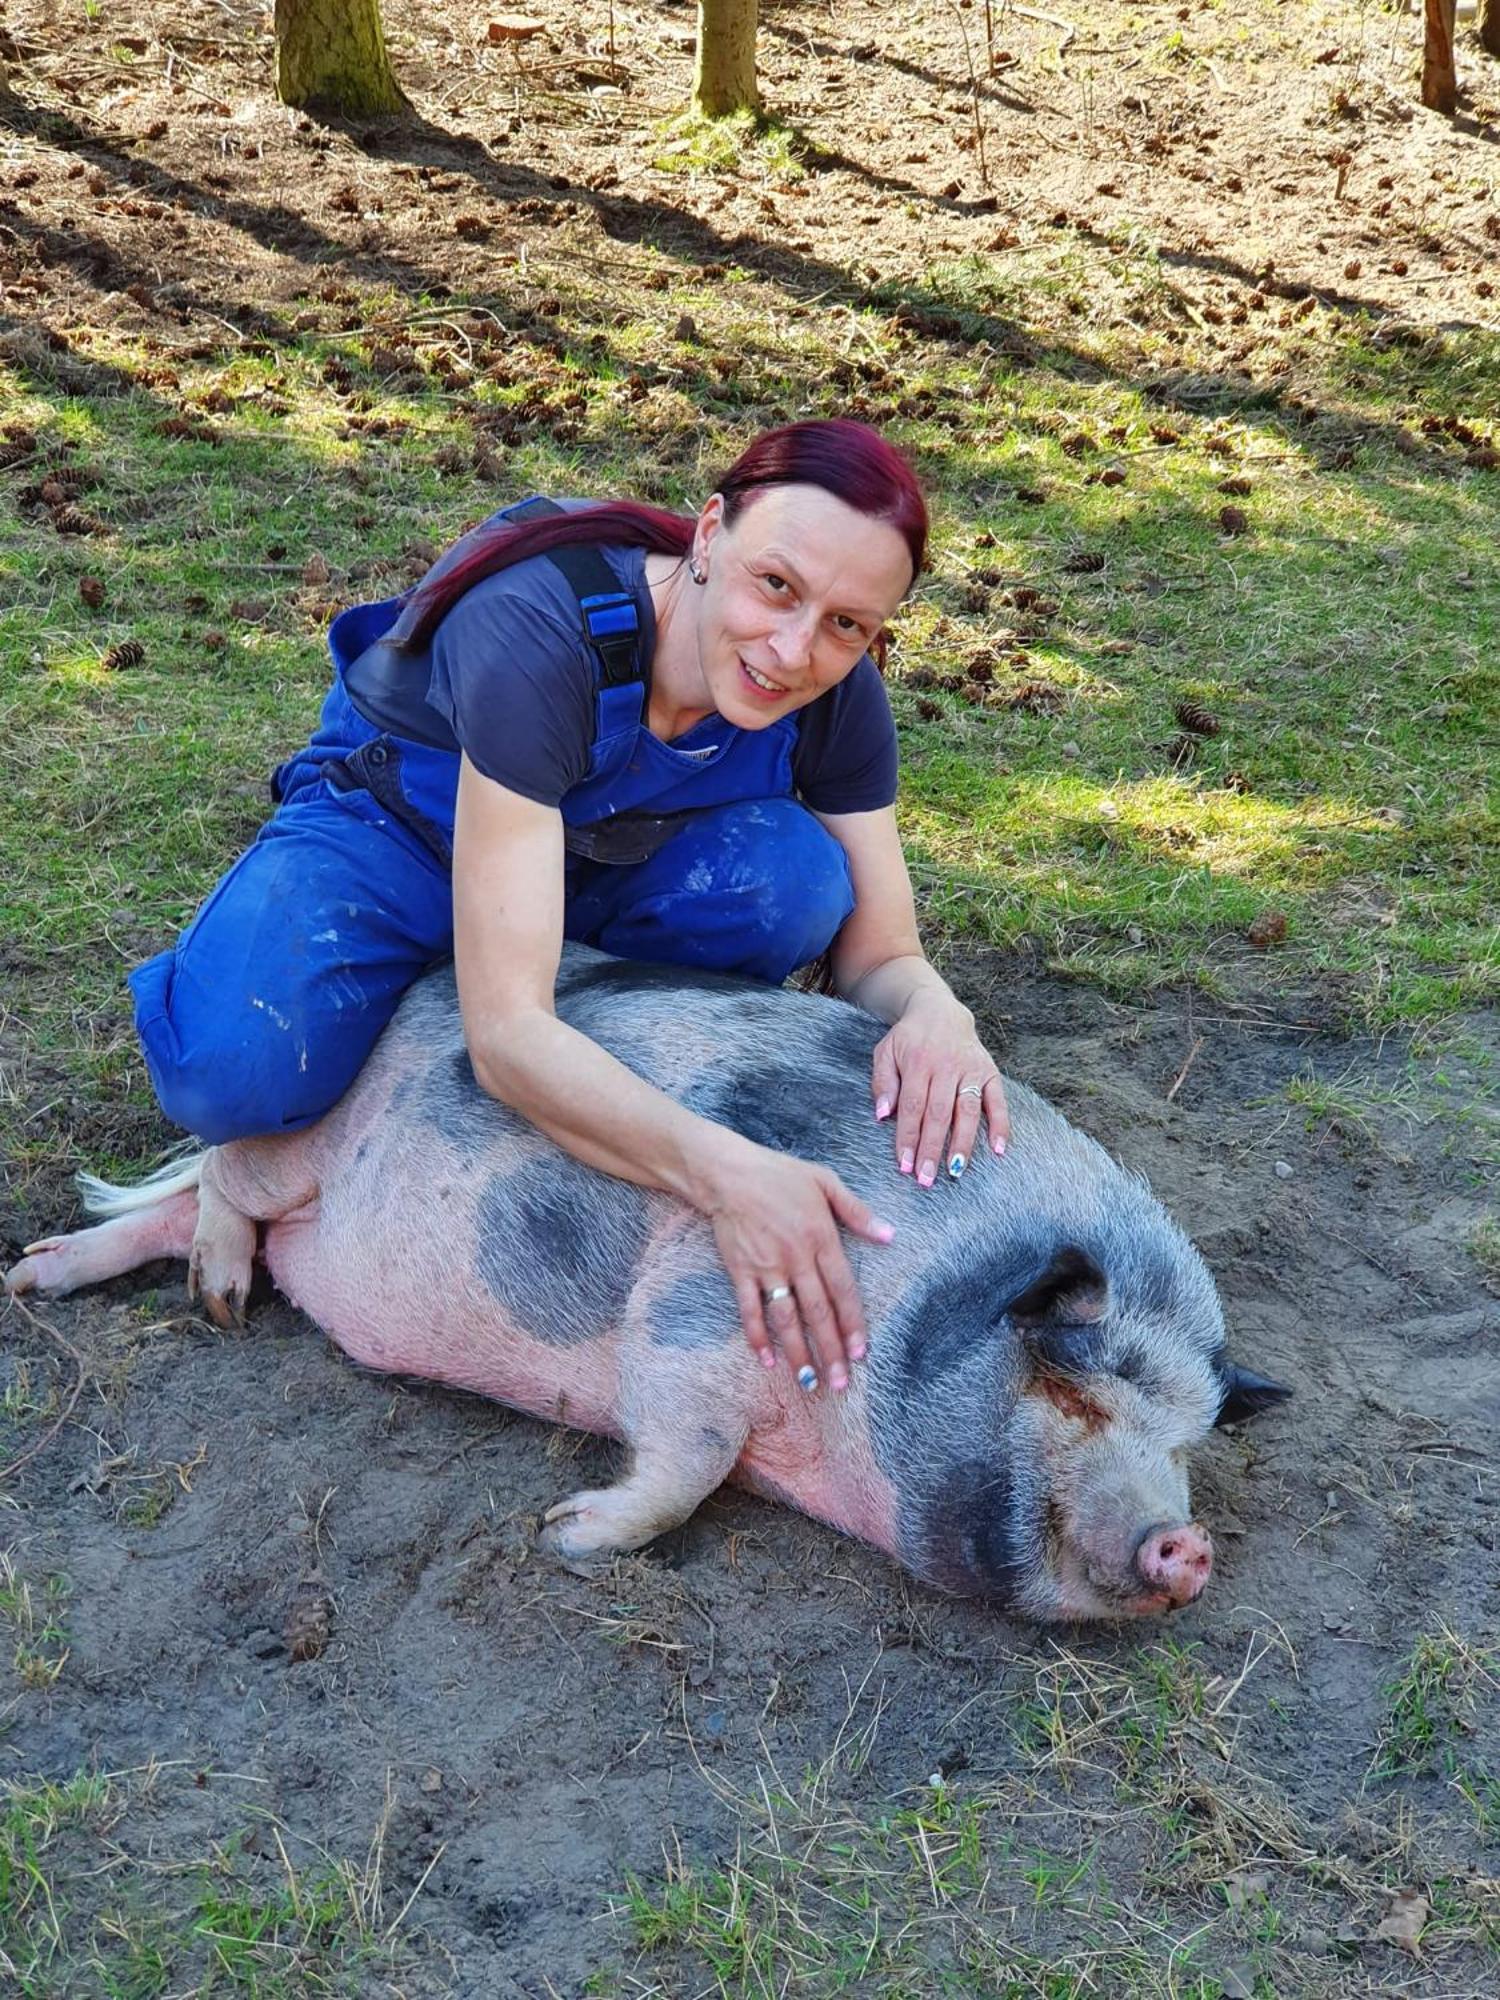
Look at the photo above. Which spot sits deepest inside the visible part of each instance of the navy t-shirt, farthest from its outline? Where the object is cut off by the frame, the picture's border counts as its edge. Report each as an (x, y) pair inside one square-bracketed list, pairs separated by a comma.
[(513, 678)]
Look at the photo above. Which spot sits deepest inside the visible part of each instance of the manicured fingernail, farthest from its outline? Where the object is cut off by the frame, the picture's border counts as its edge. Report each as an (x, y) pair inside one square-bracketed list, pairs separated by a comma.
[(908, 1161), (928, 1174), (838, 1379), (807, 1378), (768, 1358), (883, 1108), (956, 1165), (999, 1145), (883, 1232), (858, 1351)]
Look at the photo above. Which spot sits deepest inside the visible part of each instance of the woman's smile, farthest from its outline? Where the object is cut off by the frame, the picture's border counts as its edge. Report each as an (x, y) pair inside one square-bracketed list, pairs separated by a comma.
[(763, 685)]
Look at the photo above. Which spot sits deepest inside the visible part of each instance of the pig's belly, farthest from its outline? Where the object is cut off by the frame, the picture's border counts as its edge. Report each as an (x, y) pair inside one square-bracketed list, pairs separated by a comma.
[(405, 1309)]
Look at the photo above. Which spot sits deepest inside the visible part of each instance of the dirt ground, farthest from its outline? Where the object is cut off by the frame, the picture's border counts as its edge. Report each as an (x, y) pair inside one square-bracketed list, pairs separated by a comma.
[(1269, 149), (549, 1735), (541, 1735)]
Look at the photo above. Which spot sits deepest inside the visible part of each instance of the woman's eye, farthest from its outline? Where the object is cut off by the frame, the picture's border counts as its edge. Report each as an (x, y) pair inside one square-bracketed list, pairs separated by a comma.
[(774, 582)]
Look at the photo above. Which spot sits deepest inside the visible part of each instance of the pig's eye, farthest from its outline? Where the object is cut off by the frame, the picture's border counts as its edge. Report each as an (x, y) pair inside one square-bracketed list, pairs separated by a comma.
[(1067, 1397)]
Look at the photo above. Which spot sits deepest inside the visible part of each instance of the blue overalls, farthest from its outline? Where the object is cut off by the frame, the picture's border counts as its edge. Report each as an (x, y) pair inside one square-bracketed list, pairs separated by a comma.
[(263, 1013)]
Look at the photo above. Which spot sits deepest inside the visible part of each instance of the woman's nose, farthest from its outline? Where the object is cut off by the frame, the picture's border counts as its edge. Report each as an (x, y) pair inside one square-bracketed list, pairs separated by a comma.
[(792, 639)]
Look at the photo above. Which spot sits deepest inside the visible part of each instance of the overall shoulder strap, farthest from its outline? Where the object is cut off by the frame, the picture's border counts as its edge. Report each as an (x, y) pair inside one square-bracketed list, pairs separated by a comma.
[(611, 620)]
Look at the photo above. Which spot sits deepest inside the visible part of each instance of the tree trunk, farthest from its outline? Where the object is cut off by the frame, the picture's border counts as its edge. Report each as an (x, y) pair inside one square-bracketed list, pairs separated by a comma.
[(1489, 25), (1439, 78), (724, 73), (330, 56)]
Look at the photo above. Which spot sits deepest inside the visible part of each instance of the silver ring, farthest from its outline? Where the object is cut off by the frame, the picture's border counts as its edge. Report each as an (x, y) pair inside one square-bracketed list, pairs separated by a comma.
[(971, 1090), (777, 1293)]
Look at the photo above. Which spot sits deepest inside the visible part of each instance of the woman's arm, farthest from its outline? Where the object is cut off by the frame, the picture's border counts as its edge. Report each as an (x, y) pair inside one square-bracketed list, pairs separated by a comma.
[(927, 1069), (776, 1219)]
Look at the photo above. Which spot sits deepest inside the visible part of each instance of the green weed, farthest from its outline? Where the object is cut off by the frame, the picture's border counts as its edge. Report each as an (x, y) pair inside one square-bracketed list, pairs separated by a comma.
[(79, 1914), (36, 1618), (1431, 1704)]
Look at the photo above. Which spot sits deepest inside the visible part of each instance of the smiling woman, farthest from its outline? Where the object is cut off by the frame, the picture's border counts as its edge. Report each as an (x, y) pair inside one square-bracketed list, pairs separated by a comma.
[(663, 736)]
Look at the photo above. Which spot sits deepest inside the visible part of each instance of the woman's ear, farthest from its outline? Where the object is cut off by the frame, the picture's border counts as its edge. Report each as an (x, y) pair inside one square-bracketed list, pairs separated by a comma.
[(711, 524)]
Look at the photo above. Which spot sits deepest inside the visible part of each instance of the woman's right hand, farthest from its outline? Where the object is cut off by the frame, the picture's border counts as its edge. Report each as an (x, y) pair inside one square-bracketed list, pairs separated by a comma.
[(777, 1220)]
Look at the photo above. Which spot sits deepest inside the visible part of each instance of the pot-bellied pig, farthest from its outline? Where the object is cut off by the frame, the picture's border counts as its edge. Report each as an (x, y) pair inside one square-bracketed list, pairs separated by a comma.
[(1045, 1345)]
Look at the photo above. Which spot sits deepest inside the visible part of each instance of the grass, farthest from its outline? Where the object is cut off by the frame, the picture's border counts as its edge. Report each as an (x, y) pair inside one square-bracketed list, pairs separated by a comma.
[(1349, 793), (35, 1619), (1432, 1704), (1484, 1247), (89, 1904), (994, 1881)]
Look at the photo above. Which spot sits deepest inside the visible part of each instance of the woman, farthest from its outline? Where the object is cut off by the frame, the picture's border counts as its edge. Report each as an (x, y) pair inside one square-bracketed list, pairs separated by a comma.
[(663, 737)]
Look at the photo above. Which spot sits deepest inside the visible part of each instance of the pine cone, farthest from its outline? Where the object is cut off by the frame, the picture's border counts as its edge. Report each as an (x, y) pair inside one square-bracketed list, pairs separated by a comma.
[(91, 590), (129, 653), (1196, 720), (309, 1621), (75, 521), (192, 429), (1037, 697)]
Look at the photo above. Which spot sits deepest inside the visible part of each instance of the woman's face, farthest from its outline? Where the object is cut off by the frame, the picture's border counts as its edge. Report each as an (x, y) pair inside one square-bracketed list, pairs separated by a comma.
[(796, 591)]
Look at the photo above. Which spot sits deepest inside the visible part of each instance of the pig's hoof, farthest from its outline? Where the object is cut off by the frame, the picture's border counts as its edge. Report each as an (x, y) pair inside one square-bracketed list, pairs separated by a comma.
[(222, 1284), (43, 1268), (224, 1303), (578, 1535)]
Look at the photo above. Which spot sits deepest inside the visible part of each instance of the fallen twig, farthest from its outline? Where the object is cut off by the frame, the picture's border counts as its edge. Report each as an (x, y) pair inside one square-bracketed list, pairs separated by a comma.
[(1182, 1073), (1070, 32)]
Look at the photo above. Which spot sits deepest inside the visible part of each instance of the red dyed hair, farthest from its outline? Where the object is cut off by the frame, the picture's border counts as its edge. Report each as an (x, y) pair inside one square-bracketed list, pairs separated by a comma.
[(847, 459)]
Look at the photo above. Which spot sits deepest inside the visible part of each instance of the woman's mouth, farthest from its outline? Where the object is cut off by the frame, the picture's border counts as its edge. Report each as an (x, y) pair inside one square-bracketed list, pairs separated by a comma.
[(767, 689)]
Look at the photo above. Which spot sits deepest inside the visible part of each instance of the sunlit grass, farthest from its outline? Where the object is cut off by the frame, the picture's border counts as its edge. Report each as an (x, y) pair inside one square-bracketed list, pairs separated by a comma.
[(1077, 447)]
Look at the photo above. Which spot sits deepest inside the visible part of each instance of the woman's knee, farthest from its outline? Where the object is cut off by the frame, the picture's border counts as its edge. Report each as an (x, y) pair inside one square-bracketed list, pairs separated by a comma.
[(218, 1074), (757, 888), (796, 883)]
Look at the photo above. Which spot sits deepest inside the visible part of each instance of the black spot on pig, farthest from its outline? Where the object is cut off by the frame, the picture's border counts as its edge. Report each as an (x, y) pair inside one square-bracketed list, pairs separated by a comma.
[(462, 1113), (946, 1323), (698, 1311), (846, 1042), (816, 1117), (558, 1248), (974, 1534)]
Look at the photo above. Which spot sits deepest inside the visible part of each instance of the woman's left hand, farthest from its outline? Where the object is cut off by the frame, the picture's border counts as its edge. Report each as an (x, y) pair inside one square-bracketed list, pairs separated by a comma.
[(936, 1076)]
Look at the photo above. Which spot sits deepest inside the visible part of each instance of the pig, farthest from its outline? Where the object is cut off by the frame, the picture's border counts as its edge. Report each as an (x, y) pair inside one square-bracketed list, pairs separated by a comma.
[(1045, 1345)]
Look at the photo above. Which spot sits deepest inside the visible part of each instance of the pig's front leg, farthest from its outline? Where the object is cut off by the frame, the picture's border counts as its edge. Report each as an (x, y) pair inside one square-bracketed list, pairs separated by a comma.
[(683, 1448)]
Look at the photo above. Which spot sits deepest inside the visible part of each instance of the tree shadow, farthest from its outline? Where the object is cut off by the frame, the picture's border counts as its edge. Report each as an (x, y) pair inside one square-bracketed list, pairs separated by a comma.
[(923, 307)]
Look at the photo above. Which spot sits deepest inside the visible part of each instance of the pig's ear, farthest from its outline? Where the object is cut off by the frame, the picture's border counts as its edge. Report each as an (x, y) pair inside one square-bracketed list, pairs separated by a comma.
[(1246, 1394), (1072, 1291)]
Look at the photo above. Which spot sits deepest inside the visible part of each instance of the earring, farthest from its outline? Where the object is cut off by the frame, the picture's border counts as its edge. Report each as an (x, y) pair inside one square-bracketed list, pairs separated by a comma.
[(697, 572)]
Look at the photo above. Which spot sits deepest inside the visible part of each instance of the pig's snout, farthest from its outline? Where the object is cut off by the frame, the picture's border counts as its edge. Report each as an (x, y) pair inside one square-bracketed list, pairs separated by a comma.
[(1175, 1563)]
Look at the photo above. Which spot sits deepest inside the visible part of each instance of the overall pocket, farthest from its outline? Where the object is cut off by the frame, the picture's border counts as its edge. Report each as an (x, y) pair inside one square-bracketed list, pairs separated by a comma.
[(375, 768)]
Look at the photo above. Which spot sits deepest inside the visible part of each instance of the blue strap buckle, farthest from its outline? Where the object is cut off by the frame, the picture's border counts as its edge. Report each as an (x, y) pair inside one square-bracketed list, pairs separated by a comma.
[(613, 625)]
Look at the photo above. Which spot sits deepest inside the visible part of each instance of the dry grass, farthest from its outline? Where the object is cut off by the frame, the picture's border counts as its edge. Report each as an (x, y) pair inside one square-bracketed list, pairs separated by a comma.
[(1123, 1845)]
